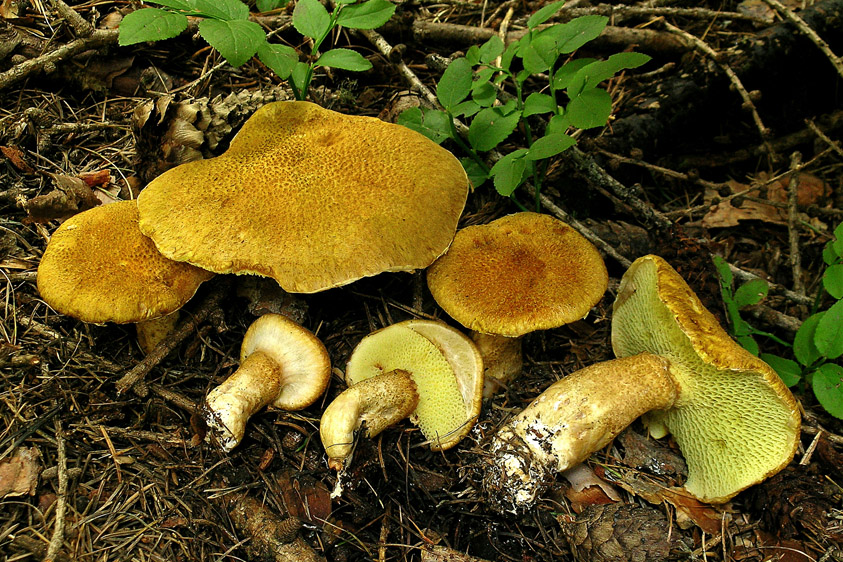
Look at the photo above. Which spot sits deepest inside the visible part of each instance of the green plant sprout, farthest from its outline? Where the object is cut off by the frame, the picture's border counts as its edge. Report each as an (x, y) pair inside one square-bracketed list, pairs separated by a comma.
[(226, 27), (474, 87), (817, 345)]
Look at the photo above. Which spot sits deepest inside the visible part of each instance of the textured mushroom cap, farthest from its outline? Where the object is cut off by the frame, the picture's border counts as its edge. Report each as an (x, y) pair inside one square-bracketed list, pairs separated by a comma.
[(310, 197), (735, 420), (301, 357), (447, 408), (519, 273), (98, 267)]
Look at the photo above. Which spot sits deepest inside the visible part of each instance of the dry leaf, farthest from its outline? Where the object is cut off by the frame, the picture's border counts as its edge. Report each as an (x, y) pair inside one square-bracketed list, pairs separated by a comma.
[(19, 474), (16, 157), (71, 196)]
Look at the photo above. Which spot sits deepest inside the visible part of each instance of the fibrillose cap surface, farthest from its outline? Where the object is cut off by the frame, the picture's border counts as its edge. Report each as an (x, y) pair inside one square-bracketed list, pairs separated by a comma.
[(310, 197), (98, 267), (517, 274), (735, 420), (302, 359)]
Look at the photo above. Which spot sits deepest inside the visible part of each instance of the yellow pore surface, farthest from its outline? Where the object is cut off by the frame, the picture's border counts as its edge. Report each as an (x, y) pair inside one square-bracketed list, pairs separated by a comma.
[(735, 421), (441, 411)]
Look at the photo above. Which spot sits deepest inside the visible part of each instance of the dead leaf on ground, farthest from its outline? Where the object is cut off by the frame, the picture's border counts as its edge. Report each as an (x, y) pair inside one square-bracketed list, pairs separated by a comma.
[(19, 474), (15, 156), (72, 195)]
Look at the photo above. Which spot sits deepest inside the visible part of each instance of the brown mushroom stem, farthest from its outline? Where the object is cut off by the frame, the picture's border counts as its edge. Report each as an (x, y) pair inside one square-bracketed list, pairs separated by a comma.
[(502, 360), (570, 420), (228, 407), (154, 331), (378, 402)]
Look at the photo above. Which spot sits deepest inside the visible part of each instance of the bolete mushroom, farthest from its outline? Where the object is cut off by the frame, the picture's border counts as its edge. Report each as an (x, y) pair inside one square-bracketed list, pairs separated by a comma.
[(99, 268), (735, 422), (281, 363), (517, 274), (445, 366), (310, 197)]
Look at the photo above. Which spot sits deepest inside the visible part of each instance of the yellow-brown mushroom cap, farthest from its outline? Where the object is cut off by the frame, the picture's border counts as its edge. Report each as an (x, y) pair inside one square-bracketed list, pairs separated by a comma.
[(98, 267), (310, 197), (517, 274)]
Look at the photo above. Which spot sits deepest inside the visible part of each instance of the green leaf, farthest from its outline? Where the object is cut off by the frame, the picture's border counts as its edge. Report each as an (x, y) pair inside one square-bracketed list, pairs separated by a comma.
[(788, 370), (431, 123), (833, 280), (150, 24), (829, 255), (829, 335), (509, 171), (828, 388), (558, 124), (491, 49), (537, 103), (472, 55), (751, 292), (591, 75), (236, 40), (310, 18), (269, 5), (544, 14), (491, 126), (345, 59), (299, 78), (508, 54), (221, 9), (590, 109), (181, 5), (837, 244), (803, 342), (455, 84), (723, 270), (475, 172), (467, 108), (550, 145), (483, 93), (368, 15), (562, 78), (749, 344), (280, 58), (574, 34), (540, 55)]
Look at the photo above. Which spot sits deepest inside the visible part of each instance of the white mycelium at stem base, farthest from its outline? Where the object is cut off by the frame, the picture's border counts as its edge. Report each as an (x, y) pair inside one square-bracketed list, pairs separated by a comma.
[(281, 363)]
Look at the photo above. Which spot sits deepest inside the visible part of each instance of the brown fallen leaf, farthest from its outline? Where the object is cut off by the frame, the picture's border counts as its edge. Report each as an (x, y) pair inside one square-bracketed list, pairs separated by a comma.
[(72, 195), (19, 474), (15, 156)]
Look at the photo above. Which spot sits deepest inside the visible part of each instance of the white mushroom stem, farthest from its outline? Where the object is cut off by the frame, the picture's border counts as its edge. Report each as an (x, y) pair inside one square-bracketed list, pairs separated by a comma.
[(570, 420), (378, 402), (229, 406), (502, 360)]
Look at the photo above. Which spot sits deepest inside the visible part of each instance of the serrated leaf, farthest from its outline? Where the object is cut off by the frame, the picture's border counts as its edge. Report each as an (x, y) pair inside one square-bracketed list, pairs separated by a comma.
[(574, 34), (467, 108), (751, 292), (828, 388), (491, 49), (182, 5), (281, 59), (490, 127), (221, 9), (829, 335), (150, 24), (344, 59), (483, 93), (788, 370), (236, 40), (269, 5), (550, 145), (508, 172), (367, 15), (537, 103), (833, 280), (299, 77), (544, 14), (540, 55), (310, 18), (803, 342), (562, 78), (455, 84), (591, 75), (431, 123), (508, 54), (590, 109), (475, 172)]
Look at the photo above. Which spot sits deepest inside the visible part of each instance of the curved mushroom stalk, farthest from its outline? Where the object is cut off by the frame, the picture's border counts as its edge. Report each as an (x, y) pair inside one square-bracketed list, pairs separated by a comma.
[(281, 363), (154, 331), (378, 402), (502, 360), (570, 420)]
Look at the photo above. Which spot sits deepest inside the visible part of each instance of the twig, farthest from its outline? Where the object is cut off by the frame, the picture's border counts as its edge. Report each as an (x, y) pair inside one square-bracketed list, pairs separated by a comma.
[(835, 146), (57, 540), (788, 14), (743, 276), (81, 27), (795, 258), (385, 48), (806, 458)]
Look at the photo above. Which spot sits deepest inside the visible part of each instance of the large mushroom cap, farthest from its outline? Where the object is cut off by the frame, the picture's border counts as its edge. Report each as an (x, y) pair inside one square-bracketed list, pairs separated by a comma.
[(517, 274), (311, 197), (735, 420), (98, 267)]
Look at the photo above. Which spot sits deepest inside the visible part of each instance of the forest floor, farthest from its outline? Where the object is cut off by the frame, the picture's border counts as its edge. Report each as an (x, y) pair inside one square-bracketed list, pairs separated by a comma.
[(686, 168)]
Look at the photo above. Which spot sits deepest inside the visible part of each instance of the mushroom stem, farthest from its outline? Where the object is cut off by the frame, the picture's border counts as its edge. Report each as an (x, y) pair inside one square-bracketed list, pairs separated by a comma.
[(570, 420), (379, 402), (154, 331), (229, 406), (502, 360)]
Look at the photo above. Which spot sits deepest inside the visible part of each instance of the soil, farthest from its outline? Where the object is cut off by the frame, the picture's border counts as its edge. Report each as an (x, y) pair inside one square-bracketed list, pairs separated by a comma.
[(686, 168)]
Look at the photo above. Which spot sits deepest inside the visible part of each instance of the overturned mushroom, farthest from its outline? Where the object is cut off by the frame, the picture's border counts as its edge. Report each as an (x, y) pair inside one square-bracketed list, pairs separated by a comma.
[(281, 364), (734, 420)]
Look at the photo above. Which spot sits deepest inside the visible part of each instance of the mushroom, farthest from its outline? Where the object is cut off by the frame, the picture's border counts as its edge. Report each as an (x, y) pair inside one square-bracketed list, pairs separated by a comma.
[(445, 366), (312, 198), (99, 268), (281, 363), (517, 274), (735, 422)]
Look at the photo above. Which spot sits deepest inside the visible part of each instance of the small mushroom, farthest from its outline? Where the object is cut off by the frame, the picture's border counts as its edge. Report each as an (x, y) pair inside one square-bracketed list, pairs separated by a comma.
[(281, 363), (378, 402), (310, 197), (517, 274), (444, 364), (99, 268), (734, 420)]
